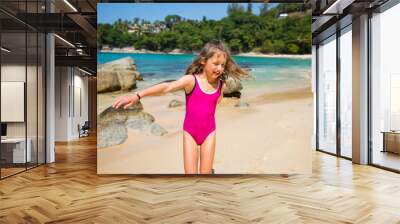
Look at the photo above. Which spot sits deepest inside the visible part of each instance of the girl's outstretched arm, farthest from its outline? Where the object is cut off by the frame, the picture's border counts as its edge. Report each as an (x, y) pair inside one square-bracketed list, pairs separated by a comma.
[(185, 82)]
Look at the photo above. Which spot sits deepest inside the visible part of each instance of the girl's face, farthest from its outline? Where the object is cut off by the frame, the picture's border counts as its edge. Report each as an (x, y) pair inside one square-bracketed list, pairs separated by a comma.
[(214, 66)]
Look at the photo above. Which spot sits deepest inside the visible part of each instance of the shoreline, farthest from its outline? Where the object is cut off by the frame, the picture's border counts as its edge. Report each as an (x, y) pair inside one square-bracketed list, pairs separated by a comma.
[(253, 95), (179, 52), (254, 54)]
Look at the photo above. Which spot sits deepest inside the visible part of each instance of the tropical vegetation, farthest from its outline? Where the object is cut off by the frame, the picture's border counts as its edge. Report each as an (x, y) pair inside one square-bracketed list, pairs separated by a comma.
[(281, 29)]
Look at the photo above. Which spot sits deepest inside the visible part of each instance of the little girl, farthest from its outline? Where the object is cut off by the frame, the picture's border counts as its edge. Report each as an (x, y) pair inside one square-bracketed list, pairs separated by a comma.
[(203, 85)]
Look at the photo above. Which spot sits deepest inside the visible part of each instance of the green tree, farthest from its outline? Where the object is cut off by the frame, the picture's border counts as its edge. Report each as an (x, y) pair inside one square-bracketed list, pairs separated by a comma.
[(249, 8), (171, 20), (234, 8), (267, 47), (293, 49), (196, 44), (279, 46), (242, 30), (264, 9), (150, 43), (235, 45), (136, 20)]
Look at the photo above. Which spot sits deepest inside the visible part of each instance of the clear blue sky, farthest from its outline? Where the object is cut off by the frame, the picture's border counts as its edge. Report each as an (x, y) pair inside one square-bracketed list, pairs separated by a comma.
[(110, 12)]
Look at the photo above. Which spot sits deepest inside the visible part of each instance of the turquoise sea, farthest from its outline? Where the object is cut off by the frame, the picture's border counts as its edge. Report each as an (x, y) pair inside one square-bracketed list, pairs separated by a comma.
[(266, 72)]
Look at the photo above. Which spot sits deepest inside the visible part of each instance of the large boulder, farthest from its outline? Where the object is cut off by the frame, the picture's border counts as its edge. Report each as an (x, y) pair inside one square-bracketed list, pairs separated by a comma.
[(140, 122), (242, 104), (111, 134), (144, 122), (107, 81), (111, 128), (232, 87), (126, 63), (176, 103), (119, 115), (157, 130), (113, 125), (120, 74)]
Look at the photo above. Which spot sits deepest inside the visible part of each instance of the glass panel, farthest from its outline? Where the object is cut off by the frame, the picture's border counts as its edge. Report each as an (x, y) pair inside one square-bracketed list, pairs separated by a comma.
[(41, 99), (385, 89), (327, 95), (394, 102), (13, 73), (23, 87), (32, 73), (31, 98), (346, 92)]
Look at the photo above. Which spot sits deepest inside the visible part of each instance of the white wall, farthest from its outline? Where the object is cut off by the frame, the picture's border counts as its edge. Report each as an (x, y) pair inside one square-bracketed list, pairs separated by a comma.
[(14, 73), (70, 83), (61, 103), (33, 126), (81, 82)]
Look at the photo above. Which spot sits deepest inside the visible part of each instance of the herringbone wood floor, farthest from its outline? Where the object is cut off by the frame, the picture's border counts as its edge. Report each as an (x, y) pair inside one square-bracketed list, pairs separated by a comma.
[(69, 191)]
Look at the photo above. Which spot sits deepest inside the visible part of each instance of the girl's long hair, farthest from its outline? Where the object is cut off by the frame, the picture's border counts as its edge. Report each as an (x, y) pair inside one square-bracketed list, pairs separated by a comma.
[(231, 68)]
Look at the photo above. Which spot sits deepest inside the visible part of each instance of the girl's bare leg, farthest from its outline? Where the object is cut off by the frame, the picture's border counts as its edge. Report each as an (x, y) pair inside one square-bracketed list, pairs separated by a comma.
[(190, 154), (207, 150)]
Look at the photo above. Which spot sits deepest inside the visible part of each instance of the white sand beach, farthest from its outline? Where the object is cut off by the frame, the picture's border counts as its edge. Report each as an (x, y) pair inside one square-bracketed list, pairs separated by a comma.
[(257, 54), (272, 135)]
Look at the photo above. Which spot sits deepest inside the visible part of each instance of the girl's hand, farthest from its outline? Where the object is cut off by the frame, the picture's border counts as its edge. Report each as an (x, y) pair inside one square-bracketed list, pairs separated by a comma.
[(126, 101)]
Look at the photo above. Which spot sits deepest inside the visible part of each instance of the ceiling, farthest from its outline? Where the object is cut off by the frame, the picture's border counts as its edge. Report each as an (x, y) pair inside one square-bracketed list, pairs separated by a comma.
[(74, 21), (328, 16)]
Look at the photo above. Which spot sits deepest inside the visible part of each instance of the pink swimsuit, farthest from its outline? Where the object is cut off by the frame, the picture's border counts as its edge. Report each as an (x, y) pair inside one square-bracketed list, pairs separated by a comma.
[(200, 110)]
